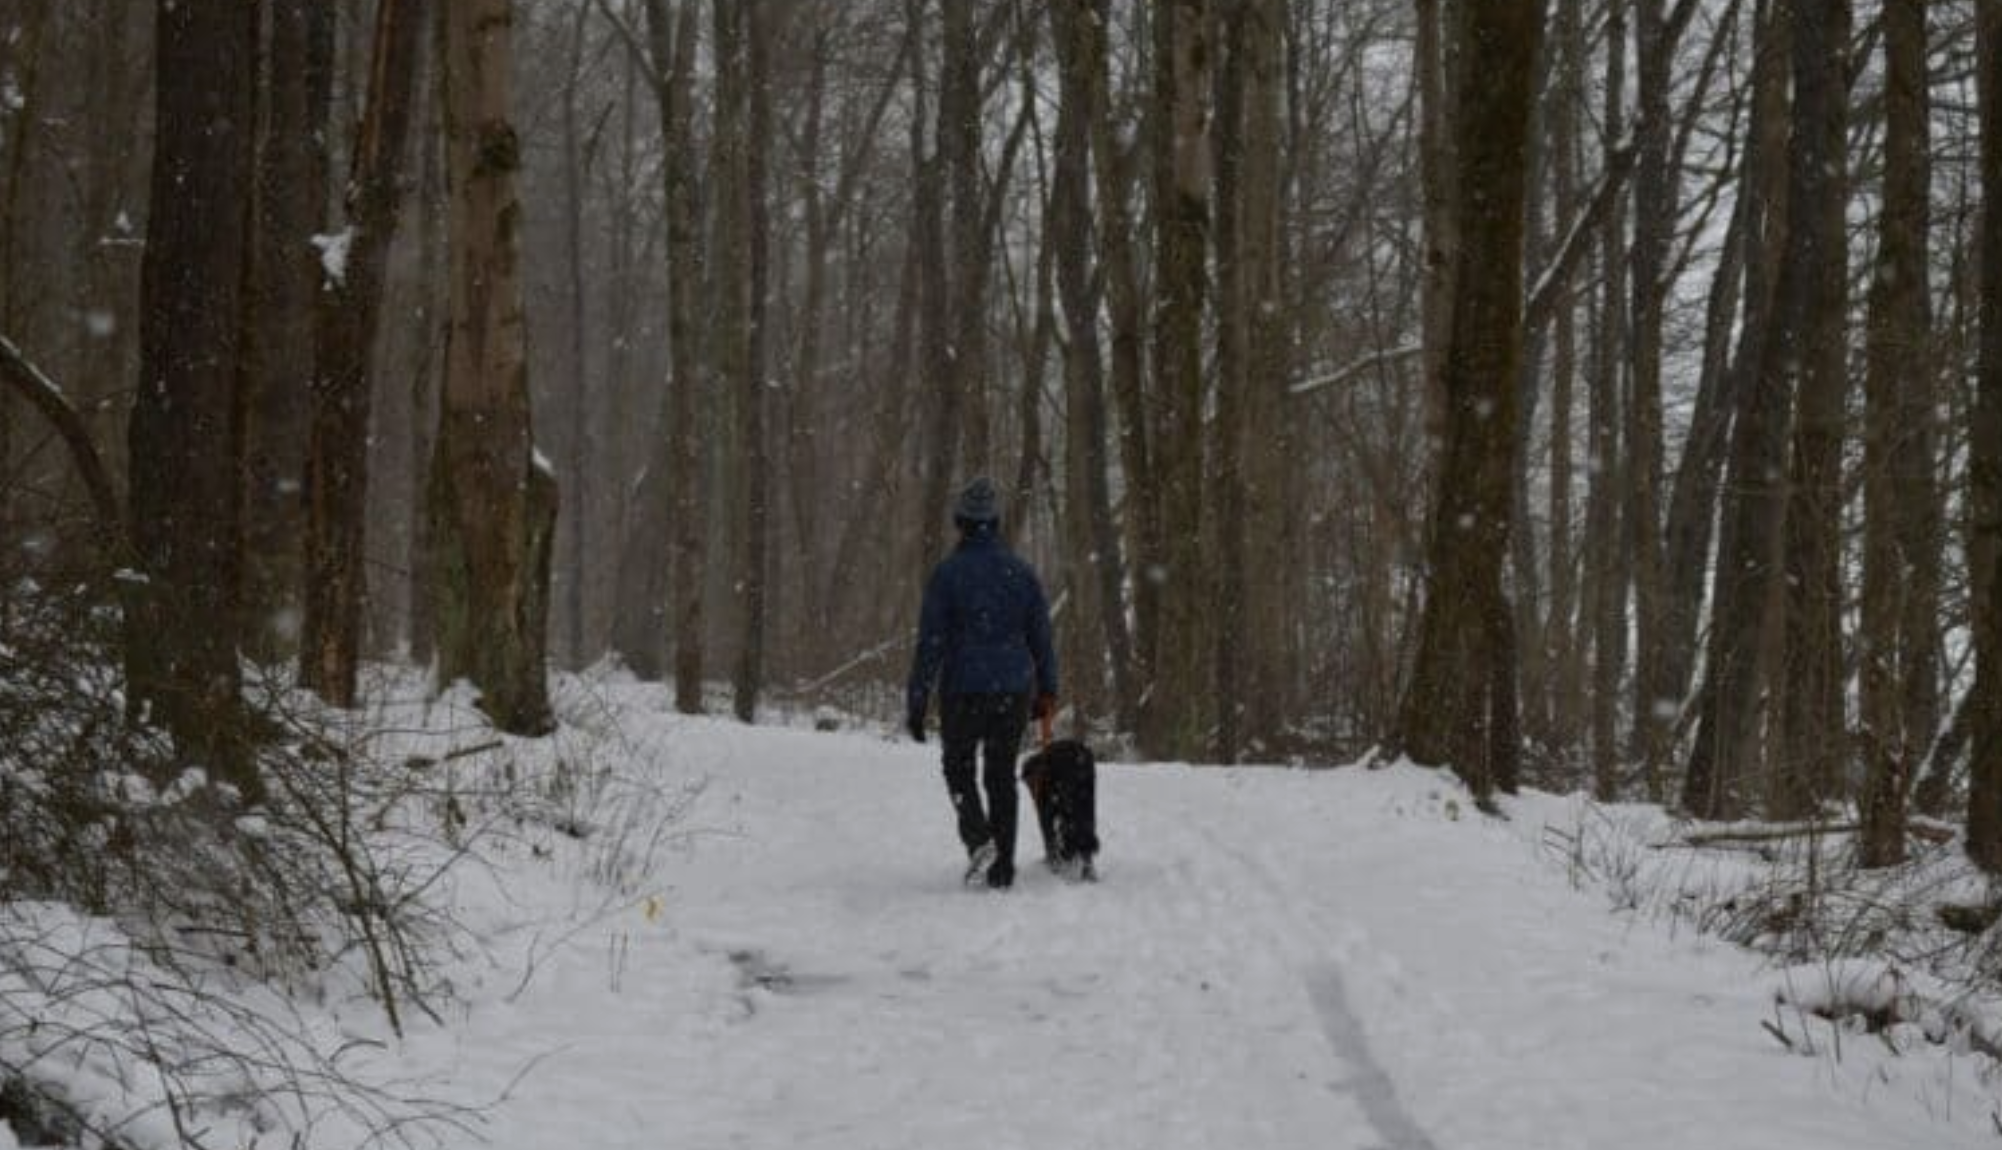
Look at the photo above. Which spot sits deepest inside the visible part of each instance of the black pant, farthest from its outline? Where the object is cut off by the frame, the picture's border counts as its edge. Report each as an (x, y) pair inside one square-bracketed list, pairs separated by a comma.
[(993, 725)]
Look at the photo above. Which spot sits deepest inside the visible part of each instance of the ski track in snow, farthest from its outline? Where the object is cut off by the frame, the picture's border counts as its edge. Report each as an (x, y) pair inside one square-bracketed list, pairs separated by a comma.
[(1336, 960)]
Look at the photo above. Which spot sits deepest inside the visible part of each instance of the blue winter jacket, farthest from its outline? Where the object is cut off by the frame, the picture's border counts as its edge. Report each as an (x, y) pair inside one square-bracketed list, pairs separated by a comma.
[(985, 625)]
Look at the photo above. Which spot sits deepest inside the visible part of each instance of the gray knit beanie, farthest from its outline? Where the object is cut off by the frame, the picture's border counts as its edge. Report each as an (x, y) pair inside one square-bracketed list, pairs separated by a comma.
[(978, 503)]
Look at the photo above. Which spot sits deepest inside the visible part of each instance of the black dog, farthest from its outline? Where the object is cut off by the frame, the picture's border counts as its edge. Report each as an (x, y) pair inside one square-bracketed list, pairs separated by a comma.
[(1063, 781)]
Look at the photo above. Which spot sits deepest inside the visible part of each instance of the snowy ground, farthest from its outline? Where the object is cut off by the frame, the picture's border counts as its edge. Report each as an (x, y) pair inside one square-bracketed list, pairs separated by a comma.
[(1342, 960), (1273, 959)]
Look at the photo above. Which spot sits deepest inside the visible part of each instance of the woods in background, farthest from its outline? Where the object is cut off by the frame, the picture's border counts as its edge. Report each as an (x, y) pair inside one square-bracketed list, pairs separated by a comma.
[(1588, 392)]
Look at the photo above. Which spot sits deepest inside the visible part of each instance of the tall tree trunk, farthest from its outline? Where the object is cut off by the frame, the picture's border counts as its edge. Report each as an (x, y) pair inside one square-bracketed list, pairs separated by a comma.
[(1898, 352), (1225, 470), (1094, 541), (578, 553), (667, 504), (1460, 707), (428, 346), (1270, 444), (1177, 708), (742, 122), (1814, 728), (285, 281), (959, 108), (1436, 51), (1606, 549), (1113, 173), (493, 502), (349, 307), (1755, 243), (684, 260), (1984, 800), (1656, 204), (1745, 589), (185, 436), (942, 385), (1560, 637)]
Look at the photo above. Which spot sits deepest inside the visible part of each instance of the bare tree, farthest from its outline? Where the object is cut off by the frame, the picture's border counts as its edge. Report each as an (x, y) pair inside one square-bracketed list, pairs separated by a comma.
[(349, 306), (291, 212), (492, 501), (1984, 802), (1178, 707), (1460, 707), (183, 437), (1897, 391), (1747, 568), (1812, 759)]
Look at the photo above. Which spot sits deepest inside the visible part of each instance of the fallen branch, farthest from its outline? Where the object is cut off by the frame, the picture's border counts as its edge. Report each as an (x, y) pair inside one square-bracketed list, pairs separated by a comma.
[(1752, 836), (26, 380)]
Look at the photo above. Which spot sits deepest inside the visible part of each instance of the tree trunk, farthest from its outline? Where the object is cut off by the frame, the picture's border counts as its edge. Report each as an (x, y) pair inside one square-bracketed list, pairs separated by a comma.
[(739, 261), (1113, 172), (959, 151), (1560, 636), (1460, 707), (1814, 729), (941, 381), (349, 306), (493, 501), (578, 553), (1606, 550), (1177, 709), (1271, 444), (1898, 360), (1732, 698), (1984, 800), (185, 437), (1225, 472), (1656, 204), (428, 347), (684, 259), (1437, 65), (285, 282)]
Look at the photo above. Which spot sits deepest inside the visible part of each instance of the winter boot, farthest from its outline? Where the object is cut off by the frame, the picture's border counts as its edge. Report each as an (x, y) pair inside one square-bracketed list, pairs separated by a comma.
[(978, 860)]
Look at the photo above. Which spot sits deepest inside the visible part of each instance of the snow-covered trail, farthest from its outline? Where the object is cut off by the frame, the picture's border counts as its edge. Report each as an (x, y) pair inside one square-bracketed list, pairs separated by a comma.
[(1336, 960)]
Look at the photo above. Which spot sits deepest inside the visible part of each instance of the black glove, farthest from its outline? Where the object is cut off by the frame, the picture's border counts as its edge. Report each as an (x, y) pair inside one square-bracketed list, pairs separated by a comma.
[(915, 724)]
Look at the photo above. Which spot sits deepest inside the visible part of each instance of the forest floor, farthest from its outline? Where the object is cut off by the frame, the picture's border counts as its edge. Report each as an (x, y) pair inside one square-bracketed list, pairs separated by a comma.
[(758, 937), (1275, 958)]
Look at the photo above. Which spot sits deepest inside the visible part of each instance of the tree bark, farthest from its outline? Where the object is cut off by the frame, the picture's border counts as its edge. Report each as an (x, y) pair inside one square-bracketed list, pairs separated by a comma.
[(1898, 361), (1984, 800), (1113, 172), (1177, 709), (1726, 751), (1094, 539), (1656, 204), (1814, 727), (493, 502), (959, 151), (184, 437), (941, 383), (1460, 707), (291, 210), (739, 263), (349, 305), (1560, 637), (578, 440)]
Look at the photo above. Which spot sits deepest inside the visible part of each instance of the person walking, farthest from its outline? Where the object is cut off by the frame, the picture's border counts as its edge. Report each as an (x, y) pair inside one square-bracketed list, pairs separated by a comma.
[(984, 642)]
